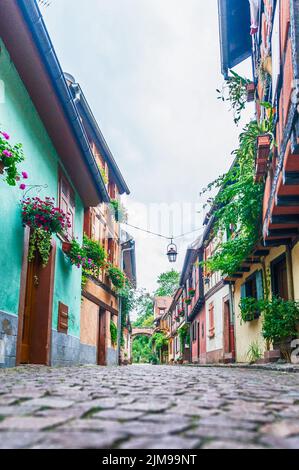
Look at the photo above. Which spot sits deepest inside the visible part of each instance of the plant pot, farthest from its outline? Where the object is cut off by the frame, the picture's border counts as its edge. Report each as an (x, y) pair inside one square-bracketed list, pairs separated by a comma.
[(66, 247), (2, 168), (263, 147), (250, 89)]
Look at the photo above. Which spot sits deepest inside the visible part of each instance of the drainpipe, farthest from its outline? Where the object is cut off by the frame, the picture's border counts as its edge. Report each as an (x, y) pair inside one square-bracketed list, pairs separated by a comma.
[(232, 321), (122, 251)]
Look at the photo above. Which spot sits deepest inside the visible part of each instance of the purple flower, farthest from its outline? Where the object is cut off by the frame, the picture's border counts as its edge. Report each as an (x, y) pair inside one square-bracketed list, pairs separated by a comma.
[(25, 175), (22, 186), (7, 153), (5, 135)]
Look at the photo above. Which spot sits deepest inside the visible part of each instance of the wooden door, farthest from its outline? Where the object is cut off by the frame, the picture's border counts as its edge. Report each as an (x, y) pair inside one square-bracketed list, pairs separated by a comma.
[(31, 286), (198, 340), (35, 324), (280, 278), (226, 328), (102, 338)]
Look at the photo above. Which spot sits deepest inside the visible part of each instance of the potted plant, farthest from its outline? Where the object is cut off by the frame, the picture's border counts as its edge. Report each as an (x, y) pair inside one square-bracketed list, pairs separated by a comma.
[(10, 157), (187, 301), (44, 219), (181, 312), (191, 292), (177, 319)]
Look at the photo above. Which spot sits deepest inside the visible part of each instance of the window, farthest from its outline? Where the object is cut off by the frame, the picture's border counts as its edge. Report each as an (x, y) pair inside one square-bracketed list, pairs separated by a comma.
[(67, 202), (111, 250), (211, 321), (279, 278), (194, 336), (253, 287)]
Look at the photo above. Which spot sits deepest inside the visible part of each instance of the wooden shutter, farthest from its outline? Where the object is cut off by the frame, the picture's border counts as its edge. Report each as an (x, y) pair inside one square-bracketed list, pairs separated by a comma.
[(259, 285), (243, 291), (211, 320), (67, 202), (63, 318)]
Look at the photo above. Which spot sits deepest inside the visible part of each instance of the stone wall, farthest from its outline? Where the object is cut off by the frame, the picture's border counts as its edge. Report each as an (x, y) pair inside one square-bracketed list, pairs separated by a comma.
[(8, 339)]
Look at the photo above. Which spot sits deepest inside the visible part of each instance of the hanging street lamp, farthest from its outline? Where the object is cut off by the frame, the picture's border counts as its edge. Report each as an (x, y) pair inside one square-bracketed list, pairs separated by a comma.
[(172, 252)]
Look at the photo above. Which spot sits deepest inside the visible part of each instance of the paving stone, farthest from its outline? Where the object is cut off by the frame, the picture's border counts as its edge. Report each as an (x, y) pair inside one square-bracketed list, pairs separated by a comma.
[(19, 440), (28, 423), (50, 402), (282, 429), (168, 442), (78, 440), (229, 445), (118, 415)]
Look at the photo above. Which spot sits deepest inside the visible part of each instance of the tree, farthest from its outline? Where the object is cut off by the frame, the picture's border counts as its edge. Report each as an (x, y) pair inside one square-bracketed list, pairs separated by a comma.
[(144, 307), (167, 283), (141, 349)]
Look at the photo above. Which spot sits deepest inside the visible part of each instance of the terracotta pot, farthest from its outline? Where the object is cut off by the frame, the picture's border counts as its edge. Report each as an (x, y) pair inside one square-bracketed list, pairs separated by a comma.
[(250, 88), (263, 146), (66, 247), (1, 168)]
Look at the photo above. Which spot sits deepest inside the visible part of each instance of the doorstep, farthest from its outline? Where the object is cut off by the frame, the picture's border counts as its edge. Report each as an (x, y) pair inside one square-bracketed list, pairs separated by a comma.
[(269, 366)]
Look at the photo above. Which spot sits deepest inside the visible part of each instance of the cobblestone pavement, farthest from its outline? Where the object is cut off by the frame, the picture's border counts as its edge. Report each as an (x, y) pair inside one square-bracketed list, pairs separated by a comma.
[(148, 407)]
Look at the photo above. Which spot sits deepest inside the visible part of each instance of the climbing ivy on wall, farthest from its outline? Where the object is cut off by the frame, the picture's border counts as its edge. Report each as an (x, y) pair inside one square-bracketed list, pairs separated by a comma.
[(237, 207)]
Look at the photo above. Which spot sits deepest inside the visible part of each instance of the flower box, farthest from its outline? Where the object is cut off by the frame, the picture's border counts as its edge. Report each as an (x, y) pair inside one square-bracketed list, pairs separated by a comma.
[(188, 301), (191, 293), (263, 147), (250, 90)]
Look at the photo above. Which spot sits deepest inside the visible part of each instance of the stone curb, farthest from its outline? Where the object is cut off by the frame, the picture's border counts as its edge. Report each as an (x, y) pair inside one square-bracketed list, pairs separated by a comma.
[(270, 367)]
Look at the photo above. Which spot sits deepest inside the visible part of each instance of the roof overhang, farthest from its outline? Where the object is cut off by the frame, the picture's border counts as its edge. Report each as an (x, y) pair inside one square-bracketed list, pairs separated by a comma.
[(234, 27), (29, 45)]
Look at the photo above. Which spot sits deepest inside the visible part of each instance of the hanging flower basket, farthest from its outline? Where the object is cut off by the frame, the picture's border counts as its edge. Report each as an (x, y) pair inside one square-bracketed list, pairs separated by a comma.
[(44, 219), (117, 277), (181, 313), (188, 301), (250, 90), (10, 157), (191, 293), (177, 319)]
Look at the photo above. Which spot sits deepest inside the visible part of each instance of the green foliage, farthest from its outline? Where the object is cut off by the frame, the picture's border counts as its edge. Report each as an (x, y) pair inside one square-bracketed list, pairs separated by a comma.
[(95, 252), (238, 204), (141, 350), (113, 333), (118, 210), (184, 335), (281, 318), (249, 309), (40, 241), (158, 341), (104, 174), (234, 91), (127, 299), (168, 283), (254, 352), (10, 157), (144, 307), (117, 277)]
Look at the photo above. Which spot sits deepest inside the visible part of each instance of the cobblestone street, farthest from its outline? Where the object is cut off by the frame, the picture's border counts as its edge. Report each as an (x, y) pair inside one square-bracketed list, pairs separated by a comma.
[(148, 407)]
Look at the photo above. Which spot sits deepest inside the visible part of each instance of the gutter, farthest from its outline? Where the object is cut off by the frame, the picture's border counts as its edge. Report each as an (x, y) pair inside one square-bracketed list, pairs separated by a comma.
[(41, 38)]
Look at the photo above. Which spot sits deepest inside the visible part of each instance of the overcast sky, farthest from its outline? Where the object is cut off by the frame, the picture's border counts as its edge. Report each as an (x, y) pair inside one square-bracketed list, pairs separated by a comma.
[(150, 69)]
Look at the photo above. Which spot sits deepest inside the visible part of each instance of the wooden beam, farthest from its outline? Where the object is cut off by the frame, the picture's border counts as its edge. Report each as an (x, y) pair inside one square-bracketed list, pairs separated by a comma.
[(261, 252), (287, 201), (277, 242), (253, 261), (283, 232), (244, 269), (287, 219), (291, 178)]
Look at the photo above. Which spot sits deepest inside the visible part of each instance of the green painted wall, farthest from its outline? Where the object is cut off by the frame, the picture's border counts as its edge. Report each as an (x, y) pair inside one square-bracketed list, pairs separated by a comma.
[(20, 119)]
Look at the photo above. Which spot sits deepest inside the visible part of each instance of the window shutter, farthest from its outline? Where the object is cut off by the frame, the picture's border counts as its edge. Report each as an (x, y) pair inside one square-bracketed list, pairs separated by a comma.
[(243, 291), (259, 285), (211, 321), (63, 318)]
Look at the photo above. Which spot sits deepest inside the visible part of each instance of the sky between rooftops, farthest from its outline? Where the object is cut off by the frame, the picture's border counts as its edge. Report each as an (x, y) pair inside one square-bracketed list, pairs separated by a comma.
[(150, 69)]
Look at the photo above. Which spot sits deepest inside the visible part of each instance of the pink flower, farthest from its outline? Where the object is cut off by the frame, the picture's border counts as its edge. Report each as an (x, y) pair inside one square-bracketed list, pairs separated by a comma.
[(5, 135), (25, 175), (6, 153), (22, 186)]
